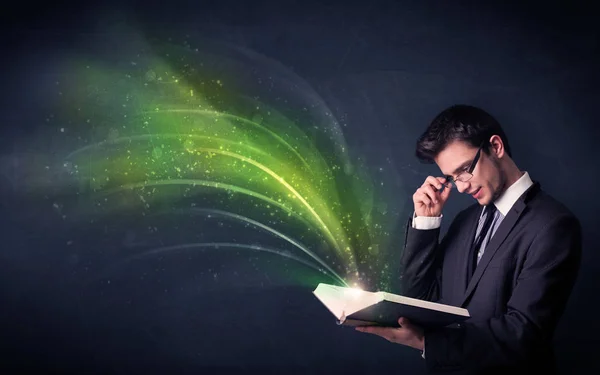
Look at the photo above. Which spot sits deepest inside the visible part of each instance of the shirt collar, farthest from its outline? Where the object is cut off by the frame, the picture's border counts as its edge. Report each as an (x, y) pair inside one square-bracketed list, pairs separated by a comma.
[(505, 202)]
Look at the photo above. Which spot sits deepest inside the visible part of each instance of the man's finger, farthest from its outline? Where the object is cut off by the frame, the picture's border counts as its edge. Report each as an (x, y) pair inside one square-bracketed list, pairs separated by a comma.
[(431, 194), (380, 331), (446, 193), (435, 182), (424, 198), (383, 332), (404, 322), (369, 329)]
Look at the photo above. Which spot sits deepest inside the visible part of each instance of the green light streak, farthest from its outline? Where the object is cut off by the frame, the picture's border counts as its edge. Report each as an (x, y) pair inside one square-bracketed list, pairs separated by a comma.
[(146, 137), (268, 229), (212, 184), (245, 121), (218, 246), (282, 182)]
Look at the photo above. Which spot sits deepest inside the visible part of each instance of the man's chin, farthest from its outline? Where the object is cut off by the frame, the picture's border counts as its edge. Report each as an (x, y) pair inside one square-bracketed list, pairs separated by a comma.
[(482, 200)]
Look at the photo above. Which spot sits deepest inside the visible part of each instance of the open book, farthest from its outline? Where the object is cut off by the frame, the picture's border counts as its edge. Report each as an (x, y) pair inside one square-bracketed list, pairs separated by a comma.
[(355, 307)]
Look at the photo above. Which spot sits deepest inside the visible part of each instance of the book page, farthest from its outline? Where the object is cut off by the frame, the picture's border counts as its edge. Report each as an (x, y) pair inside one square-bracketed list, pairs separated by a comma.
[(345, 301)]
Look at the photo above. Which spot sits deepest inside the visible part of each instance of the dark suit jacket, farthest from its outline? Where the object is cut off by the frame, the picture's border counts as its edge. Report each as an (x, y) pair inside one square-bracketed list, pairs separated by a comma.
[(516, 295)]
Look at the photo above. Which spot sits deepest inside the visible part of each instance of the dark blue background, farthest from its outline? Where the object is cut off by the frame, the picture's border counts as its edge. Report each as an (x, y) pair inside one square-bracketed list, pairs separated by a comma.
[(386, 67)]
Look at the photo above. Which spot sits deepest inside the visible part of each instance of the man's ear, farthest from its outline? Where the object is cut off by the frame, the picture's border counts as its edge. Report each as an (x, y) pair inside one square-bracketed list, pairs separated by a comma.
[(497, 146)]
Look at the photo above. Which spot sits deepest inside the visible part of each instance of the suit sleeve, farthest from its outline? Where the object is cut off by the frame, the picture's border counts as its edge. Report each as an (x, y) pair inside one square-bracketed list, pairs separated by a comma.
[(421, 261), (538, 300)]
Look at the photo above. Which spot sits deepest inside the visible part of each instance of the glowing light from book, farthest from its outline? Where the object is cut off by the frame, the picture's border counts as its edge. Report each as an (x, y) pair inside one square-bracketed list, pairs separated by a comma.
[(354, 292)]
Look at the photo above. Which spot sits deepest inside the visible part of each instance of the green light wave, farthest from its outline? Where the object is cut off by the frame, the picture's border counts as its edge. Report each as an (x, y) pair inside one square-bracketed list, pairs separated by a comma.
[(280, 180), (216, 246), (145, 137), (179, 118), (268, 229), (211, 184), (246, 121)]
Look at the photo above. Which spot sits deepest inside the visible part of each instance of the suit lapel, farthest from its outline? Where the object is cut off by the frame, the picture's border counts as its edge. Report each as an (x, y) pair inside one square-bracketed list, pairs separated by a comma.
[(498, 238)]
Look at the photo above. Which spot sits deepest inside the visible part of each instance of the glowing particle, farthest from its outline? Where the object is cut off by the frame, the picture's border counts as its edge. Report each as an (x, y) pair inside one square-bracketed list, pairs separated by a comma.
[(157, 153), (188, 145), (150, 75)]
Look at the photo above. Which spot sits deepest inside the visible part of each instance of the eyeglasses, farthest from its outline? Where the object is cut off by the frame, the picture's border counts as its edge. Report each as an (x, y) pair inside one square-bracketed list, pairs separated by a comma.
[(466, 175)]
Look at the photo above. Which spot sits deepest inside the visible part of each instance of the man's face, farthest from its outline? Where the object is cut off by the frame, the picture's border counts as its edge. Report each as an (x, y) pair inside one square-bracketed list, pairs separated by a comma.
[(488, 179)]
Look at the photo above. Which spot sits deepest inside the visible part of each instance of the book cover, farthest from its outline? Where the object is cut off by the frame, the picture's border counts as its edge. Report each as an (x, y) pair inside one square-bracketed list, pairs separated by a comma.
[(355, 307)]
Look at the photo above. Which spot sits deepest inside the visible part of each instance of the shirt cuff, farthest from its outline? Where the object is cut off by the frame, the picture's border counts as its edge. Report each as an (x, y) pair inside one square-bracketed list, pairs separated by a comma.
[(423, 352), (426, 222)]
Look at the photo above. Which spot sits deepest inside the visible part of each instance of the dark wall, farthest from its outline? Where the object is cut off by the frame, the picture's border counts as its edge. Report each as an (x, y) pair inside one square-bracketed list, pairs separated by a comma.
[(384, 69)]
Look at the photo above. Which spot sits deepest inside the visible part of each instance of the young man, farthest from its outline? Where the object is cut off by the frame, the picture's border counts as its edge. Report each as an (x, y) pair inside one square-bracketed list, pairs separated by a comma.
[(511, 259)]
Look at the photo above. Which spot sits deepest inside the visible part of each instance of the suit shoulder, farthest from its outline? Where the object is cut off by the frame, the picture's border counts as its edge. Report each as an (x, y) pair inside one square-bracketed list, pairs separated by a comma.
[(549, 209)]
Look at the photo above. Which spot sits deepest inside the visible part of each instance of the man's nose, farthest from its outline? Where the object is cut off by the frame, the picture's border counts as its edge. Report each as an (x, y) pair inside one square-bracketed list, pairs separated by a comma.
[(461, 186)]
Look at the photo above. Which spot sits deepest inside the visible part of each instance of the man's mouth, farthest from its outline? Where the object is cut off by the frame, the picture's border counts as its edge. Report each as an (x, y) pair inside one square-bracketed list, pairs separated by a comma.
[(475, 193)]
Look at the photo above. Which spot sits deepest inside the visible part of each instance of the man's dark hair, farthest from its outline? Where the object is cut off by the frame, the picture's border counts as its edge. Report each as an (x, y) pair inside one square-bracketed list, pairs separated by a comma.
[(460, 122)]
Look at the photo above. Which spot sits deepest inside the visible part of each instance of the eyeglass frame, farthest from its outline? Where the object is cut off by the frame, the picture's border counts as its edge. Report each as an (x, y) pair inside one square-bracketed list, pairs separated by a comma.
[(469, 171)]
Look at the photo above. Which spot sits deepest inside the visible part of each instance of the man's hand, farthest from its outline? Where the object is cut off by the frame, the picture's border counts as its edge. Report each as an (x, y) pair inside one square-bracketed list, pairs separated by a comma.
[(407, 334), (428, 199)]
